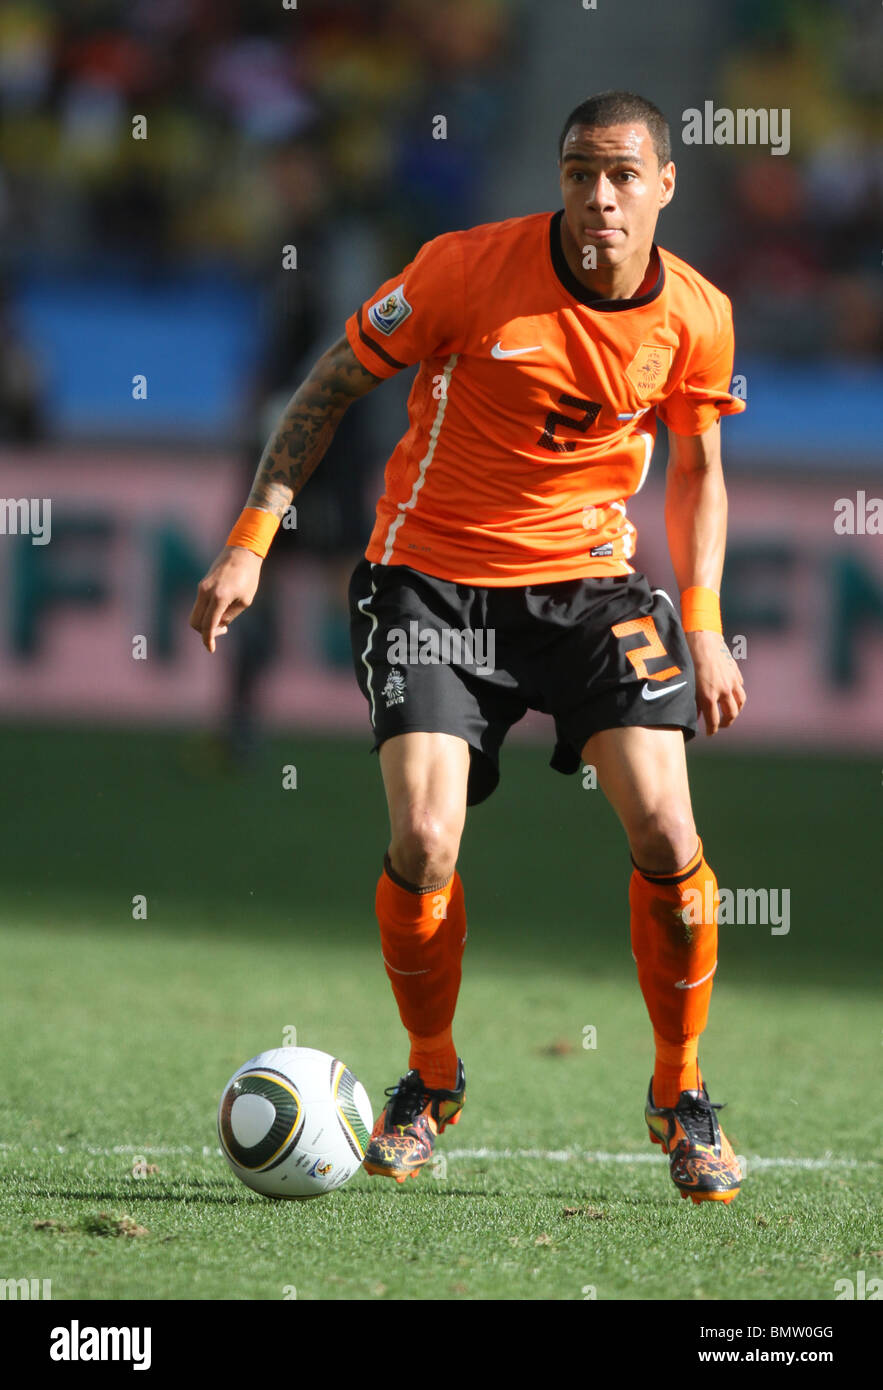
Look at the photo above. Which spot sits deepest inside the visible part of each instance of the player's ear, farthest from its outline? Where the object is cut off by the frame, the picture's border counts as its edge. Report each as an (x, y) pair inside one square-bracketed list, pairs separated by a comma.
[(667, 184)]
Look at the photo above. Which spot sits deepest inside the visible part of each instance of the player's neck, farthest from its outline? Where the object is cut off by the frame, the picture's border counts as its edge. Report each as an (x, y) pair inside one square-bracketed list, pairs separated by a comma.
[(632, 278)]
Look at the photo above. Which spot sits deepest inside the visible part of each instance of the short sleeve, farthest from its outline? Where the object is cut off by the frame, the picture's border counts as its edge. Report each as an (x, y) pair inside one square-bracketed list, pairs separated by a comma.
[(703, 393), (414, 315)]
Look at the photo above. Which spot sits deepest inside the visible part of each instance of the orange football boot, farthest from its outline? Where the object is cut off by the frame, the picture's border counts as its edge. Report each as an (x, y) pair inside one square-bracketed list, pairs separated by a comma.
[(701, 1159), (404, 1135)]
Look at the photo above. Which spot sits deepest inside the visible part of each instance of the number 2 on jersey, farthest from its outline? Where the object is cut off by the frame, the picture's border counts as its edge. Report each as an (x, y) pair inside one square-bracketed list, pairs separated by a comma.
[(554, 418)]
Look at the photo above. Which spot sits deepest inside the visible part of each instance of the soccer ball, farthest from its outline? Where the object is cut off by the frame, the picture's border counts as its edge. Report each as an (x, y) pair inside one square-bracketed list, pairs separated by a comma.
[(294, 1122)]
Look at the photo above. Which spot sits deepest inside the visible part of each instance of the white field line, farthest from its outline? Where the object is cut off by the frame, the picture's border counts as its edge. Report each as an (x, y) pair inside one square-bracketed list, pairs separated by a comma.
[(601, 1156), (828, 1160)]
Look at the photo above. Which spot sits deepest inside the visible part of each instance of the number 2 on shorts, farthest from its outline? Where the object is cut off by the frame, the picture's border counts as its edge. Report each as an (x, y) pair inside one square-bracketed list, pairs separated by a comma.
[(640, 655)]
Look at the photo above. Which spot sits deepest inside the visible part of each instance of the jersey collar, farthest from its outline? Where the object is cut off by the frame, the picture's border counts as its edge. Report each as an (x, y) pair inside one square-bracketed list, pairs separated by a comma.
[(586, 296)]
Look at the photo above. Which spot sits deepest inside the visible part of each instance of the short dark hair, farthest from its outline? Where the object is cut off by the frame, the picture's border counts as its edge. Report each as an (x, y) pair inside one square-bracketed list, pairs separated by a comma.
[(619, 108)]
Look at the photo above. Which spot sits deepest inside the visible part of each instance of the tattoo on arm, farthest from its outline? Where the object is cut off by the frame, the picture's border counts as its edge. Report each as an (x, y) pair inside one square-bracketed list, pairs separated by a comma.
[(306, 427)]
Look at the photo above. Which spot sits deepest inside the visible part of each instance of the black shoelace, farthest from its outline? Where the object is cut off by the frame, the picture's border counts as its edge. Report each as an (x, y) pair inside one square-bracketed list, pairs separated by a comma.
[(407, 1099), (695, 1113)]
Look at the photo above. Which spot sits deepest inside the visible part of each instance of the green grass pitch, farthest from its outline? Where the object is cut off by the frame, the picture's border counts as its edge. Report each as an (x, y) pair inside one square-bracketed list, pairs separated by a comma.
[(117, 1035)]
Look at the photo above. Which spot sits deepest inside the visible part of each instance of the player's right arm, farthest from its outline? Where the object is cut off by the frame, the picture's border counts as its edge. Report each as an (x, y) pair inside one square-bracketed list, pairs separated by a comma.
[(292, 453)]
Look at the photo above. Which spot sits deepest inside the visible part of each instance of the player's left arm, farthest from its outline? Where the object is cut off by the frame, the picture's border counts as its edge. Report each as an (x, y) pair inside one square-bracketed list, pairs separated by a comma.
[(696, 525)]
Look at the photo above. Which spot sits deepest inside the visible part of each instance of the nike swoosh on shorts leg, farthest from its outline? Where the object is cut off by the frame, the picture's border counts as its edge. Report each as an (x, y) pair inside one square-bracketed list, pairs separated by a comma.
[(666, 690)]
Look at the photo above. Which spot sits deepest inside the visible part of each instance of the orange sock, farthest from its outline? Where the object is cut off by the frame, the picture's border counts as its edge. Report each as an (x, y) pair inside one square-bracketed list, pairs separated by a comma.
[(674, 941), (422, 936)]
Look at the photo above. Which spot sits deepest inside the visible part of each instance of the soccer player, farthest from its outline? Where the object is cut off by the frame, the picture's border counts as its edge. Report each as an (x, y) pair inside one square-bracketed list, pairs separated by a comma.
[(497, 580)]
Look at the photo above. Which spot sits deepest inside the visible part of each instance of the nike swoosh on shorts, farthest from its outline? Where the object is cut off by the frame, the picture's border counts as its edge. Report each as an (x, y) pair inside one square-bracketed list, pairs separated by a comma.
[(666, 690)]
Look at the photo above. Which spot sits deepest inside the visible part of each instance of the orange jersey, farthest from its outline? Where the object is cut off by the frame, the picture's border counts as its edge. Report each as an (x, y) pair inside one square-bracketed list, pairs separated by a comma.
[(533, 415)]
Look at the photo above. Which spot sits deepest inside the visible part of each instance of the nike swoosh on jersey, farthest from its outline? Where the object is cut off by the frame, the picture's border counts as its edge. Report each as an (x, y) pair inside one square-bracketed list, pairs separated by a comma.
[(499, 351), (666, 690)]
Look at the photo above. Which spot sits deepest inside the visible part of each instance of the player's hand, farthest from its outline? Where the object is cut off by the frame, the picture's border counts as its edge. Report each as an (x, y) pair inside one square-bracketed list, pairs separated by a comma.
[(720, 693), (225, 592)]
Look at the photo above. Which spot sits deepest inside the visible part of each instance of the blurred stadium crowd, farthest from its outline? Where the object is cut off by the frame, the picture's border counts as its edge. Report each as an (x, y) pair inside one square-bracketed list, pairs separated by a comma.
[(263, 122), (801, 252), (259, 117), (267, 123)]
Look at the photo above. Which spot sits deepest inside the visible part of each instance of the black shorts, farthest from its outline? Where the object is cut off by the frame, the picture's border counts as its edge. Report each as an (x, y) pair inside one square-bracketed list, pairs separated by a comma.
[(442, 657)]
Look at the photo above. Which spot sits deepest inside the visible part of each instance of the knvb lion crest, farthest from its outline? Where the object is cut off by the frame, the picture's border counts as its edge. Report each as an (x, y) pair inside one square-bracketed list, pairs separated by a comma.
[(394, 690), (649, 368)]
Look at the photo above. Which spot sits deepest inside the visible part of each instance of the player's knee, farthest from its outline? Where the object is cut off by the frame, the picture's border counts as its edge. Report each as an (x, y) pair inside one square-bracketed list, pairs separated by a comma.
[(424, 849), (663, 840)]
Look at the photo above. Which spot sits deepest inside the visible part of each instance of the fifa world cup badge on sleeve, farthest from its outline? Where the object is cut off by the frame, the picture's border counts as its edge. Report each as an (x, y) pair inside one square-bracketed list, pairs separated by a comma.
[(390, 311)]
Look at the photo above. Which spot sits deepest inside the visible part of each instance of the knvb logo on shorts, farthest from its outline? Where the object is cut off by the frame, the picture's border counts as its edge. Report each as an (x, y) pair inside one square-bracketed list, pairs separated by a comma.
[(393, 691), (744, 126), (444, 646)]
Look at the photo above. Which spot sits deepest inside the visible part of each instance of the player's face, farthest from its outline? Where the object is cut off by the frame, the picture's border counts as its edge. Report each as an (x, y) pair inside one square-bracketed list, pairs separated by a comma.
[(613, 190)]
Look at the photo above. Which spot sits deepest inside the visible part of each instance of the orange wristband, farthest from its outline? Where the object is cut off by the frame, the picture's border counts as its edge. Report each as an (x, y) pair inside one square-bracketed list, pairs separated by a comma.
[(254, 530), (701, 610)]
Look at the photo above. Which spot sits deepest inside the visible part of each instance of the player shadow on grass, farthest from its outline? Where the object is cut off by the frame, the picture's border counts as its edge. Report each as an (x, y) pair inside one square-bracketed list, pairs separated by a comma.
[(576, 1196), (125, 1192), (227, 1196)]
